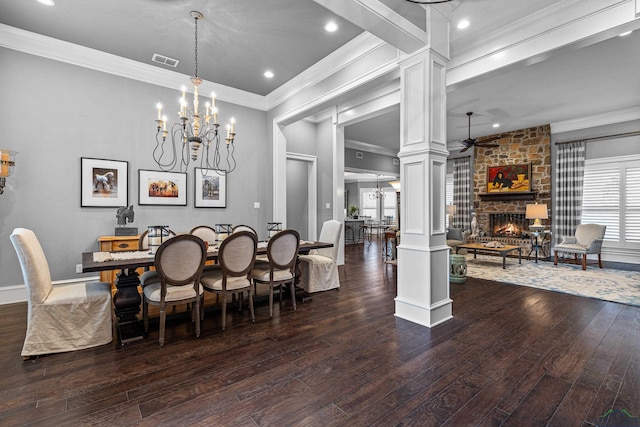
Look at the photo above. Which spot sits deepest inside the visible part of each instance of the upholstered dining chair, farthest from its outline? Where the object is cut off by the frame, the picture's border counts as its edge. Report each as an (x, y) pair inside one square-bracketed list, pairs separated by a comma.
[(282, 253), (236, 258), (206, 233), (149, 276), (319, 269), (242, 227), (60, 318), (179, 263), (587, 240)]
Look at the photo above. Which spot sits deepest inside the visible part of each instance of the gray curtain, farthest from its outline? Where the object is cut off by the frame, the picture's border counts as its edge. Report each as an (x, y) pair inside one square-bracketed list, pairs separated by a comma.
[(461, 193), (569, 183)]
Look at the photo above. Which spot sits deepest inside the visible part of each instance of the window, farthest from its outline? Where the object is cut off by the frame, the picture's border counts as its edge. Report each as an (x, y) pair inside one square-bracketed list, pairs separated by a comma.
[(448, 194), (378, 209), (611, 196)]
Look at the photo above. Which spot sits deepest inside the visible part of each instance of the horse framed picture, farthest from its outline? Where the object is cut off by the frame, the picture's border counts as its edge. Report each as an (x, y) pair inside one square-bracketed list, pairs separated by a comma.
[(162, 188), (104, 183)]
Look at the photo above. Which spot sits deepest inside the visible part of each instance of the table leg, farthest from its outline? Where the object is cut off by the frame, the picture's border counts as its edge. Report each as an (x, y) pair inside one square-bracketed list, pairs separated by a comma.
[(126, 302), (504, 260), (519, 255)]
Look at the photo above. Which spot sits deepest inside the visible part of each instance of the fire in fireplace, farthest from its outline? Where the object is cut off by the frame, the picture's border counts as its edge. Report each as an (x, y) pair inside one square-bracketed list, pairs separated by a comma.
[(507, 224)]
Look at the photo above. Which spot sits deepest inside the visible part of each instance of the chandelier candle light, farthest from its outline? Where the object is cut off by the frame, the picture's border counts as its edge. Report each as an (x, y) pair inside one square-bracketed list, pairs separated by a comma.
[(195, 133)]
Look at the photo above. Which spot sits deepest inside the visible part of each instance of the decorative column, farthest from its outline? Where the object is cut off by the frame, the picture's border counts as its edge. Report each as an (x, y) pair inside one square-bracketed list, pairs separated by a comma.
[(423, 256)]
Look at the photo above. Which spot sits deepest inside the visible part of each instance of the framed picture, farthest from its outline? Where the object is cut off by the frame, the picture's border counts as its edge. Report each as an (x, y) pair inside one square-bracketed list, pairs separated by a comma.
[(104, 183), (509, 178), (210, 189), (162, 188)]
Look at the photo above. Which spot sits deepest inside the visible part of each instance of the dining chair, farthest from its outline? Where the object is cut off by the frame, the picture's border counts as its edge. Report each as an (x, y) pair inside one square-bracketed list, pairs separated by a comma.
[(319, 269), (282, 253), (236, 259), (60, 318), (149, 276), (243, 227), (179, 263), (206, 233)]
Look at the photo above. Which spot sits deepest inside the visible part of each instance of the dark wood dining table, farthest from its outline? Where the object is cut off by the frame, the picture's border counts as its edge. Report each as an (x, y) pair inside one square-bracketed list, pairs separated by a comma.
[(127, 299)]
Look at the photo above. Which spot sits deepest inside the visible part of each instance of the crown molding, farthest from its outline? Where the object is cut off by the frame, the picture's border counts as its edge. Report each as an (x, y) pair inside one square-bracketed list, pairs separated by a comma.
[(58, 50), (604, 119)]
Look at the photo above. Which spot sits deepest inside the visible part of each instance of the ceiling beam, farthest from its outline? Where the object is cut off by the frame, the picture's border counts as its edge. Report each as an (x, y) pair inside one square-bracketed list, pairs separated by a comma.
[(380, 20)]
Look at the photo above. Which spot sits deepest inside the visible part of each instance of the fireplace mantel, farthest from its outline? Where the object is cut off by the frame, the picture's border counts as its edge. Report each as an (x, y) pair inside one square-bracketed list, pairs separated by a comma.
[(496, 197)]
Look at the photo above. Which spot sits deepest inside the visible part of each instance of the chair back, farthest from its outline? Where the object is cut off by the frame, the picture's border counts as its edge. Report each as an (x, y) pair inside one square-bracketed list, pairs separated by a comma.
[(237, 253), (206, 233), (143, 241), (588, 234), (282, 250), (243, 227), (180, 260), (330, 233), (35, 269)]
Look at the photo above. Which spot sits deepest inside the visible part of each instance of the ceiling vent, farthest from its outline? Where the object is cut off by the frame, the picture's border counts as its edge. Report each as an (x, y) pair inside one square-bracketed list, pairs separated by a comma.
[(359, 155), (165, 60)]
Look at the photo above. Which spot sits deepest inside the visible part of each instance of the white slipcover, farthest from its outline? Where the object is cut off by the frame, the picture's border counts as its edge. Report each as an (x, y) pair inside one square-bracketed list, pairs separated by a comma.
[(62, 317), (319, 269)]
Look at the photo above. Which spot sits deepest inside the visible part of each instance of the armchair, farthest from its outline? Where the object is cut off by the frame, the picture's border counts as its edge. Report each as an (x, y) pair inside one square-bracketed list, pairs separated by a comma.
[(587, 240)]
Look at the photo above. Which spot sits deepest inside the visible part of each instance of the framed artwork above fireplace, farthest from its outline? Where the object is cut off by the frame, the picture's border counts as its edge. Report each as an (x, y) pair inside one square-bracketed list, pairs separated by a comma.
[(509, 178)]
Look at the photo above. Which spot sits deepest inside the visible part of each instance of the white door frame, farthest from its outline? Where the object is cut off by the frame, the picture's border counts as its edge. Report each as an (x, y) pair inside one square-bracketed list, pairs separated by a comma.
[(312, 191)]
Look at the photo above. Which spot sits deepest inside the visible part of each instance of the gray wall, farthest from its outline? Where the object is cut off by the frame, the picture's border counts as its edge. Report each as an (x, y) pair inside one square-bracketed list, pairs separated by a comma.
[(56, 113), (370, 162)]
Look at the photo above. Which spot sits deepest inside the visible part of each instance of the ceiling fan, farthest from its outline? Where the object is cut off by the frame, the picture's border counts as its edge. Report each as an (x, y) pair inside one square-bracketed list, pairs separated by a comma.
[(470, 142)]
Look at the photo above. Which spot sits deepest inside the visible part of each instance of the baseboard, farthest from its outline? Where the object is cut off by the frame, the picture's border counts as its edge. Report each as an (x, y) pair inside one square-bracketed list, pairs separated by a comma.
[(18, 293)]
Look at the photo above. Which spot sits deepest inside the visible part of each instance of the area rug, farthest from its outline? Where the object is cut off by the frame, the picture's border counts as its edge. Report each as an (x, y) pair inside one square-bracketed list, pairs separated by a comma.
[(605, 284)]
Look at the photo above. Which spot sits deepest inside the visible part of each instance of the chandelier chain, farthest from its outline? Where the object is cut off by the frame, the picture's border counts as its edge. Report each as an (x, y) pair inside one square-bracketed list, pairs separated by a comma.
[(196, 46)]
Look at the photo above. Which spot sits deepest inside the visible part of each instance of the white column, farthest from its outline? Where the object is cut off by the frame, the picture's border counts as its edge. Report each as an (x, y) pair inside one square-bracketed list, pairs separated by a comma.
[(423, 256)]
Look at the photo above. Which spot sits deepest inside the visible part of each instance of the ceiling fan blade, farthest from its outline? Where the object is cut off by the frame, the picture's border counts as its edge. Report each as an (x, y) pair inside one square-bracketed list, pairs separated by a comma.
[(487, 145), (465, 148)]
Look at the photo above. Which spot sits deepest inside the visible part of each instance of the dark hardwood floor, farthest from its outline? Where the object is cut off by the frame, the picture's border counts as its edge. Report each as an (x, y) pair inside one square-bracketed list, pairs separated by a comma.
[(511, 356)]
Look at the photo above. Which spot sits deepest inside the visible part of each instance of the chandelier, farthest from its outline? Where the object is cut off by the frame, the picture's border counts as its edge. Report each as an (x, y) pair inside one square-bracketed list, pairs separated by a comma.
[(198, 135), (378, 193)]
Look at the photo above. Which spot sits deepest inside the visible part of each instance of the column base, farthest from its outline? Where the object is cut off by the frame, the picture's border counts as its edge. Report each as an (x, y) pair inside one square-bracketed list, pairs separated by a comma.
[(425, 316)]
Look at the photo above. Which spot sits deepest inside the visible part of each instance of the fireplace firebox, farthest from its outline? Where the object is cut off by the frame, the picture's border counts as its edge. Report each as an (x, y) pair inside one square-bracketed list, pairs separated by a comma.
[(507, 224)]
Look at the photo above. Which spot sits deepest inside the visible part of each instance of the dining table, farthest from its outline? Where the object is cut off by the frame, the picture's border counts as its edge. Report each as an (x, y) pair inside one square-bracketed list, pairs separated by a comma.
[(127, 299)]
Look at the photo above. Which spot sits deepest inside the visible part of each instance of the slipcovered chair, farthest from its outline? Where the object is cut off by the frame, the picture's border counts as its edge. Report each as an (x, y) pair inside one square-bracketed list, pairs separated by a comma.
[(60, 318), (282, 253), (232, 275), (319, 269), (587, 240), (179, 263)]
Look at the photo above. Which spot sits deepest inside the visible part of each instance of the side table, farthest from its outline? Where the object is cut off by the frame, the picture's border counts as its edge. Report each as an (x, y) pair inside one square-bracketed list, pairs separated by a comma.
[(457, 268), (538, 240)]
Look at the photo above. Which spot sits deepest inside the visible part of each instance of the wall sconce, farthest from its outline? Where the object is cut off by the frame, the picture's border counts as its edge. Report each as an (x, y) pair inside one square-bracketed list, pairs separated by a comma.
[(536, 212), (7, 162)]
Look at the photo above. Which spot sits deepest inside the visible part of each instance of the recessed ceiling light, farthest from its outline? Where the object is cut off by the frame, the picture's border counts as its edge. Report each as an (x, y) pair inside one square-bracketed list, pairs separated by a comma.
[(496, 125), (331, 27), (47, 2), (463, 24), (626, 33), (268, 74)]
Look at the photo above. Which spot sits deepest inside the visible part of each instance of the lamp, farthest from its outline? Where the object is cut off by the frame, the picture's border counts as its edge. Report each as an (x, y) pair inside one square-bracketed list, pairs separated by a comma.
[(451, 211), (536, 212), (194, 133), (7, 162)]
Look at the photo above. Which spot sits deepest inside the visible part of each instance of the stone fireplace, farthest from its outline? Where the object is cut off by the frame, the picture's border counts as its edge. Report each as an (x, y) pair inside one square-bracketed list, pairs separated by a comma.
[(501, 217), (507, 224)]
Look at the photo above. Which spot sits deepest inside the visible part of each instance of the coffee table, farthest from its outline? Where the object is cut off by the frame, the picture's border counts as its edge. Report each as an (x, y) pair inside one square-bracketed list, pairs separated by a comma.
[(503, 251)]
